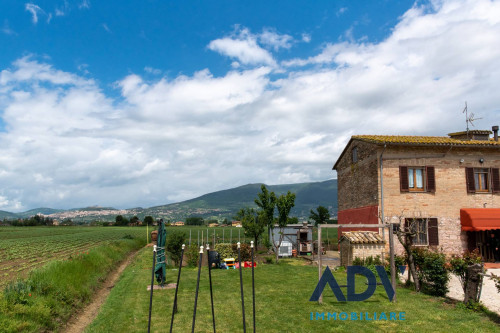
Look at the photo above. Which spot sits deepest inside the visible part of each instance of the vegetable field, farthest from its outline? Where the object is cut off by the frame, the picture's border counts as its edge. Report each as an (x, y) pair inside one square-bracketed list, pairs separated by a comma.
[(24, 248)]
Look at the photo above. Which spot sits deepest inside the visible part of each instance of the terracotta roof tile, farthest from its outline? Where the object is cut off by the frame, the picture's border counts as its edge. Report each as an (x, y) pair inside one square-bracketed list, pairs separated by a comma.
[(423, 140), (363, 237)]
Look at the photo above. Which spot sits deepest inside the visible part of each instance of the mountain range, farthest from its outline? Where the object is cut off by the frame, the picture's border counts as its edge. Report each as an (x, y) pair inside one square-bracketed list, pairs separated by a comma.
[(217, 205)]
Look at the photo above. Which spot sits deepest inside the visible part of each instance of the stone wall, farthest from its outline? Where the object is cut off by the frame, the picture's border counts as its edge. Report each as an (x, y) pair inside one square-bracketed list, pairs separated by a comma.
[(357, 181)]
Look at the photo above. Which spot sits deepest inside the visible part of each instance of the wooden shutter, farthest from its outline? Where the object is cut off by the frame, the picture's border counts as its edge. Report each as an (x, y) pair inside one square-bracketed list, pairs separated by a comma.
[(469, 180), (403, 179), (431, 179), (495, 180), (432, 231)]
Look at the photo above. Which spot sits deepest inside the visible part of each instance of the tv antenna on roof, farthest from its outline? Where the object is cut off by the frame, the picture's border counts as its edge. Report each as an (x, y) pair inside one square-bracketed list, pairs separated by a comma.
[(469, 118)]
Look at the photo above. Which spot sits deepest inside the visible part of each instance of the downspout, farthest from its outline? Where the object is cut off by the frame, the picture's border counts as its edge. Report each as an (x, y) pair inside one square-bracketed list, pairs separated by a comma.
[(382, 190)]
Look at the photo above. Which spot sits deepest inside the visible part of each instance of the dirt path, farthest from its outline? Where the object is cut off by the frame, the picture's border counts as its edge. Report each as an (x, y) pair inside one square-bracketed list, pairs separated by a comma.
[(80, 321)]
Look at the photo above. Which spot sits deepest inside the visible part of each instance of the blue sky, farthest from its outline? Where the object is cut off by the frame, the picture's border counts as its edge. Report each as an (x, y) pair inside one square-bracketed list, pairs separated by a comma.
[(141, 103)]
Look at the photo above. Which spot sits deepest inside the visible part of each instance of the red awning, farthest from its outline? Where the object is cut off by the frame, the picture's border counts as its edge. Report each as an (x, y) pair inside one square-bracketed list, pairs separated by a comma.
[(477, 219)]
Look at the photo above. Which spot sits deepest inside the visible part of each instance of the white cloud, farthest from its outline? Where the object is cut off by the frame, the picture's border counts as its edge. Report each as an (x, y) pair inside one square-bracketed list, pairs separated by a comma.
[(105, 27), (243, 45), (34, 10), (68, 144), (85, 4), (151, 70), (274, 40), (6, 28), (306, 38)]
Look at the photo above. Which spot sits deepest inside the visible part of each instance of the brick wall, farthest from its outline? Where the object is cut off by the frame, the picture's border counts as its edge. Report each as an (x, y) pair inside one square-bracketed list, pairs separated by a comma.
[(450, 195), (359, 186)]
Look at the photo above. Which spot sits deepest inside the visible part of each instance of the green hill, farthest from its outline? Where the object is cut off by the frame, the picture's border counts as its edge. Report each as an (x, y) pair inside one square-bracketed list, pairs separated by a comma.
[(226, 203)]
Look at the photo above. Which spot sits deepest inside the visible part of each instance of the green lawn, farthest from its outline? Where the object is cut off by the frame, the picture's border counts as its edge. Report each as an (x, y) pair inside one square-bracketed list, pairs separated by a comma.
[(282, 294)]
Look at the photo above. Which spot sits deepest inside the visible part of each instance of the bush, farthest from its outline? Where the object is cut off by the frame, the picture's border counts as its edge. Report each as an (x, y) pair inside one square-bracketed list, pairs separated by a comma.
[(431, 271), (458, 265), (225, 250), (192, 254), (245, 251), (173, 244)]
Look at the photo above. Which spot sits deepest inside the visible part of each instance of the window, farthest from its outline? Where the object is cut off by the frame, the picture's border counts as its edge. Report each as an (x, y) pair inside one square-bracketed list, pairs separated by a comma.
[(417, 179), (482, 180), (354, 154), (426, 230)]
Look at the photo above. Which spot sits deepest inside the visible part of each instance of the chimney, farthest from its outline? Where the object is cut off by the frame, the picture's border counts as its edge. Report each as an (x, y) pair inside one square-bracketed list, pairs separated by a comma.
[(495, 132)]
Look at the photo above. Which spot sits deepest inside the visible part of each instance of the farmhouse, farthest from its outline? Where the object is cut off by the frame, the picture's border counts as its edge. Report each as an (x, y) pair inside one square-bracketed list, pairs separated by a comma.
[(449, 185)]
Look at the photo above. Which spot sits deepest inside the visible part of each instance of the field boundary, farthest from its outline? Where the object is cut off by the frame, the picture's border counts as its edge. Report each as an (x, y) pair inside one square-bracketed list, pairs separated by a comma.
[(79, 322)]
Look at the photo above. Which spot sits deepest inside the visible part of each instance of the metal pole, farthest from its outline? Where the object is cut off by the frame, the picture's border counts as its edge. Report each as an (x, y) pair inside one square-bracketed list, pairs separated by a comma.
[(174, 310), (393, 265), (241, 287), (320, 266), (253, 287), (197, 288), (210, 281), (152, 285)]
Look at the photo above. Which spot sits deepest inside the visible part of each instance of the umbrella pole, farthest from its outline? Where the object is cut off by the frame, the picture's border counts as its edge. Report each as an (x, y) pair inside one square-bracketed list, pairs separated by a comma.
[(253, 287), (210, 281), (241, 287), (152, 286), (174, 310), (197, 288)]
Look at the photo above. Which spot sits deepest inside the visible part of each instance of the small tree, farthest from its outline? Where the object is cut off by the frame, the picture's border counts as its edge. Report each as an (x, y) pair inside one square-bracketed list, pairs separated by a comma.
[(321, 216), (284, 203), (148, 220), (253, 222), (173, 244), (406, 232), (266, 201)]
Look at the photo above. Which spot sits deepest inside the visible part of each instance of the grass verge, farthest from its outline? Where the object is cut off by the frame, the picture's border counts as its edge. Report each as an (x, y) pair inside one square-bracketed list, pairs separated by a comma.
[(282, 294), (50, 295)]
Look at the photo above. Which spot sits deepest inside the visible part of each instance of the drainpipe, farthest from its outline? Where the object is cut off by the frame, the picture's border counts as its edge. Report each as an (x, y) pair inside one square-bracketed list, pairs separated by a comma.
[(382, 190)]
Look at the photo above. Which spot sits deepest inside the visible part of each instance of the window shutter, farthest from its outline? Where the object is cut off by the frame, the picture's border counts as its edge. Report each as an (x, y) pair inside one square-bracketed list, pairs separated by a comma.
[(432, 231), (403, 179), (495, 180), (431, 179), (469, 180)]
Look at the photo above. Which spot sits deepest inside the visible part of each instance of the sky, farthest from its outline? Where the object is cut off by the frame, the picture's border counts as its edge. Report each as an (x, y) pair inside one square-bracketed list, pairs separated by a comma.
[(143, 103)]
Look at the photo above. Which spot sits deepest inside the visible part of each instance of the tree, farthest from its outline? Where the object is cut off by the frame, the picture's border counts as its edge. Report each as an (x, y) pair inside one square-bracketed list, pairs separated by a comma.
[(321, 216), (173, 244), (195, 220), (148, 220), (134, 220), (406, 233), (253, 222), (266, 201), (284, 203), (120, 220)]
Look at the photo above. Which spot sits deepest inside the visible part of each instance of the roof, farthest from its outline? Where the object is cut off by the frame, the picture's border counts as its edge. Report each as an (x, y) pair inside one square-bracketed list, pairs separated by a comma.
[(412, 140), (476, 219), (423, 140), (362, 237)]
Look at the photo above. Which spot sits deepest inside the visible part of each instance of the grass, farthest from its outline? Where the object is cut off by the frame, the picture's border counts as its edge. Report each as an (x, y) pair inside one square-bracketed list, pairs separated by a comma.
[(50, 295), (282, 294)]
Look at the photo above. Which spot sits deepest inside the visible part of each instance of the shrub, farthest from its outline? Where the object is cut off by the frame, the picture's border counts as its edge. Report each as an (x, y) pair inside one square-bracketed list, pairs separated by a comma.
[(269, 260), (431, 271), (245, 251), (458, 265), (173, 244), (225, 250), (192, 254)]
